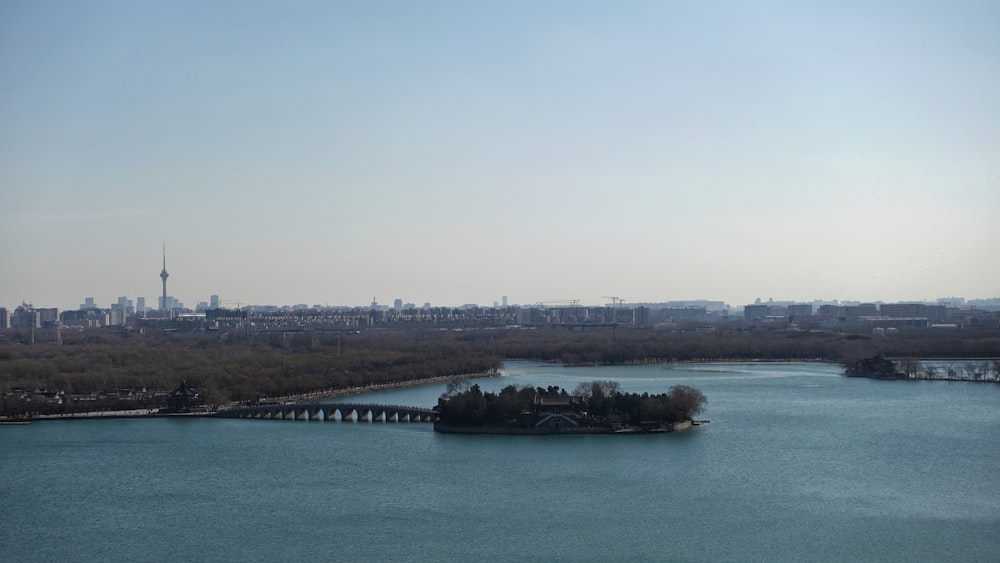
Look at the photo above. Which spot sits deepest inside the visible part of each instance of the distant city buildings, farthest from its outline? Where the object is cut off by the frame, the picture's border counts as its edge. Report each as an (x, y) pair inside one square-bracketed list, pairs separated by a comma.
[(125, 304), (169, 303), (799, 311), (679, 315), (27, 316), (860, 316), (884, 315), (756, 313)]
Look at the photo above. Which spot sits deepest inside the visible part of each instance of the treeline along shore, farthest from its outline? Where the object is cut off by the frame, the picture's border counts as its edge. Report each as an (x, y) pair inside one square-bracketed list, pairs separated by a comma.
[(112, 370)]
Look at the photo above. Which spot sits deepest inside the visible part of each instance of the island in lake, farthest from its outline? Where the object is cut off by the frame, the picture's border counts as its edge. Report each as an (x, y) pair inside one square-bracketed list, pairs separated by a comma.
[(598, 407)]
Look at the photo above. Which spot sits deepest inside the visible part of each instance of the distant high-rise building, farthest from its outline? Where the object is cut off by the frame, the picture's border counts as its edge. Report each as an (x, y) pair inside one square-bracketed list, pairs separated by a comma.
[(902, 310), (862, 310), (115, 316), (756, 312), (163, 276), (125, 304), (140, 304), (4, 318), (47, 318), (503, 300), (24, 316), (799, 310), (933, 313), (169, 303), (88, 303), (397, 304), (213, 302)]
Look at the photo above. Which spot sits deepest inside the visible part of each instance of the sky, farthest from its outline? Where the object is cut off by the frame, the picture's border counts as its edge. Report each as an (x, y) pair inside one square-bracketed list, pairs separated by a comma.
[(455, 152)]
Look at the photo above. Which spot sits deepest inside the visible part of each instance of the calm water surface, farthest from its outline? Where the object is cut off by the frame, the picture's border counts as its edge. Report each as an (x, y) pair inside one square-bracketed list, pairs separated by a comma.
[(798, 464)]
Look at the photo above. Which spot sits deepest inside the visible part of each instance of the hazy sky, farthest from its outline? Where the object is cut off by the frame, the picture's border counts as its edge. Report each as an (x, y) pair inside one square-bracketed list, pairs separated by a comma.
[(453, 152)]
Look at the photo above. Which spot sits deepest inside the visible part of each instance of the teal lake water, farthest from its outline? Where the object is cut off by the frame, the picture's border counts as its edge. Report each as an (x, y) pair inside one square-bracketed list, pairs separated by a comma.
[(798, 464)]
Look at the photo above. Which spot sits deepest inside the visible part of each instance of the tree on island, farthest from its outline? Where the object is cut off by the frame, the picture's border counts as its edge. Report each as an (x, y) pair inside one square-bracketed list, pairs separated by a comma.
[(877, 366), (596, 403)]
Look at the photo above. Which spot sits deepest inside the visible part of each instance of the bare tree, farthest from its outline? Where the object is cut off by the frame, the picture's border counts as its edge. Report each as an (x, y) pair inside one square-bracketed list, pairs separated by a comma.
[(930, 372), (456, 387), (598, 389), (984, 370), (910, 367), (972, 370)]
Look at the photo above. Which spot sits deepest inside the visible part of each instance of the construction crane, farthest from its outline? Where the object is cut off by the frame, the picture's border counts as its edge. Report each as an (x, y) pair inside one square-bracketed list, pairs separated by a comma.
[(615, 301)]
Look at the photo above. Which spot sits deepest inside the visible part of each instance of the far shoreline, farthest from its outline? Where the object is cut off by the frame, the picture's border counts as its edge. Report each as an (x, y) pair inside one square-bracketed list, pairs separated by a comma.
[(211, 413), (358, 390)]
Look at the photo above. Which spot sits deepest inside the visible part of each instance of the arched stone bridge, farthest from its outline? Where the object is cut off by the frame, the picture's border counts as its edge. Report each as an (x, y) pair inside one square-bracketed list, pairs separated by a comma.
[(329, 412)]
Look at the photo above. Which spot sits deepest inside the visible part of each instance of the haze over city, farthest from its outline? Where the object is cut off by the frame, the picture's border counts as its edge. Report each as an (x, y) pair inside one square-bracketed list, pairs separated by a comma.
[(453, 152)]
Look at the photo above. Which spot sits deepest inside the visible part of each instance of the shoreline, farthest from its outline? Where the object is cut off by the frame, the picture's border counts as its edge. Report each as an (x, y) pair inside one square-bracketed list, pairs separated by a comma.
[(578, 431), (124, 413), (155, 413), (346, 392)]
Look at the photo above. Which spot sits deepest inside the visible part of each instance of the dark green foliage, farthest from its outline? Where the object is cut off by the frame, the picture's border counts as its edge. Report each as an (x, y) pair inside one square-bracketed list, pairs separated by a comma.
[(514, 407), (475, 408), (878, 367)]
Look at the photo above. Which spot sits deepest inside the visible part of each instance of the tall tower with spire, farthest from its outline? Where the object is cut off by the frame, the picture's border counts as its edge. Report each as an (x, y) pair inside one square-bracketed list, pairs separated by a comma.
[(163, 276)]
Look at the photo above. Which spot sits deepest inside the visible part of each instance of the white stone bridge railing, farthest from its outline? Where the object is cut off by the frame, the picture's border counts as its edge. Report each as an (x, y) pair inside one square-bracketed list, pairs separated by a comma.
[(329, 412)]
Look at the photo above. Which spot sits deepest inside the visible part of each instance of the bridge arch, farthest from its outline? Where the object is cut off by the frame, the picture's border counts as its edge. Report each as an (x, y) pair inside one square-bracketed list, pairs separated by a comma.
[(331, 412)]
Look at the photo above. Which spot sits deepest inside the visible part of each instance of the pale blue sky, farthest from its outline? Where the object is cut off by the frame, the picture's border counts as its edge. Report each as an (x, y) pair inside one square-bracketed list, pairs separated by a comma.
[(454, 152)]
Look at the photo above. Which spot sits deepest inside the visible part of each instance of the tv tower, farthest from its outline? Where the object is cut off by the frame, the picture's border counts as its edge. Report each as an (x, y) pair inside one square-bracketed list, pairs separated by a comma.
[(163, 276)]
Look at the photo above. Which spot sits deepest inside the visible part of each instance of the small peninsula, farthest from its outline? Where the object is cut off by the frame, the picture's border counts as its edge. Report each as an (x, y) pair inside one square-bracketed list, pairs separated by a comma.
[(875, 367), (597, 407)]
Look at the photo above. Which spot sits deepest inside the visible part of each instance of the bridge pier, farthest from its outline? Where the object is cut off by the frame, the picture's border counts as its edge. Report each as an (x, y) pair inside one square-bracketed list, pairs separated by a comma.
[(327, 412)]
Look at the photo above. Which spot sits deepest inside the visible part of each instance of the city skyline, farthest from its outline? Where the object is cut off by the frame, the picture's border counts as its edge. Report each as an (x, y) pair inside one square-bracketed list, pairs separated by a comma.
[(453, 153), (89, 301), (229, 301)]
